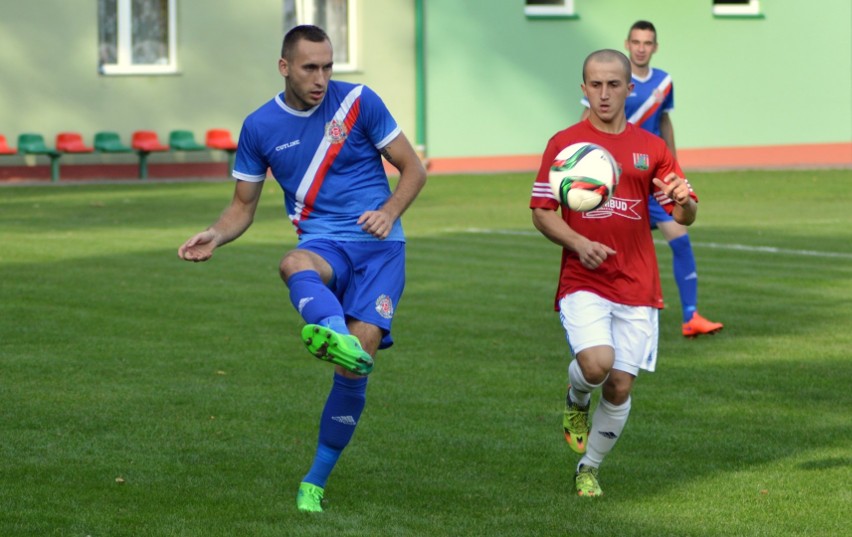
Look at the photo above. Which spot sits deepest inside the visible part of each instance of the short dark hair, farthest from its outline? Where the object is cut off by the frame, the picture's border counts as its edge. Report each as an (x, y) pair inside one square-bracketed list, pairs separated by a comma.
[(643, 25), (309, 32), (608, 55)]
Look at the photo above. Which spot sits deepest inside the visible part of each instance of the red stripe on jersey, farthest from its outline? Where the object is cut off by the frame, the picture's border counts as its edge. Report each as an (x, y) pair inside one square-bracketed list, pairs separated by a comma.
[(650, 112), (328, 160)]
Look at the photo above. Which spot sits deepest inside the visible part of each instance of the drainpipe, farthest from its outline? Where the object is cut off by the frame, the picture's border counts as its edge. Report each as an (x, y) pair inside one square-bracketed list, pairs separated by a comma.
[(420, 78)]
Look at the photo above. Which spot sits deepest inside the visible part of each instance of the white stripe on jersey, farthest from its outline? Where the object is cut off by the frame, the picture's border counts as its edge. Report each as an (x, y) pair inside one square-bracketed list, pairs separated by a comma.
[(651, 100), (310, 174), (542, 190)]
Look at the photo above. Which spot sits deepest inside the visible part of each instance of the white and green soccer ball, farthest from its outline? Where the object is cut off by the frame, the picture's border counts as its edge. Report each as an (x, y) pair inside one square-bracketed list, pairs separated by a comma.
[(583, 176)]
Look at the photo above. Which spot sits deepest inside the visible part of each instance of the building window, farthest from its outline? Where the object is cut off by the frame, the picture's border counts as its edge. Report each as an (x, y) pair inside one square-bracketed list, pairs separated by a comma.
[(336, 17), (736, 7), (549, 8), (136, 37)]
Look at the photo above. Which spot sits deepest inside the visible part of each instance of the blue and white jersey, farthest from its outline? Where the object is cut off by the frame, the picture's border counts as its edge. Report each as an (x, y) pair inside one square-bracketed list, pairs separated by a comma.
[(651, 97), (326, 159)]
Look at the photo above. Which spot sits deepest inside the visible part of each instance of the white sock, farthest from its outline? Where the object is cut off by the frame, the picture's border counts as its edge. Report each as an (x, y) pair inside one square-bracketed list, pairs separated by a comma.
[(607, 423), (581, 389)]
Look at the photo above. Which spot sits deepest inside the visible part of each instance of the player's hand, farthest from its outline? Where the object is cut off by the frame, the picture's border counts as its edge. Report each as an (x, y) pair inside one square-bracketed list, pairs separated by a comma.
[(592, 254), (376, 223), (674, 187), (198, 248)]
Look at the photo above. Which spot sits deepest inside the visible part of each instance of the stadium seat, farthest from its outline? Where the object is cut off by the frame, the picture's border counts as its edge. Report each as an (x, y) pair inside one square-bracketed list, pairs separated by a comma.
[(110, 142), (221, 139), (33, 144), (4, 147), (72, 142), (145, 143), (184, 141)]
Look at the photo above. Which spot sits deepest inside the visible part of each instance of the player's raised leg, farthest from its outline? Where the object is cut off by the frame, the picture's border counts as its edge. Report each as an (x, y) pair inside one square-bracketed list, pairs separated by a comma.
[(326, 335)]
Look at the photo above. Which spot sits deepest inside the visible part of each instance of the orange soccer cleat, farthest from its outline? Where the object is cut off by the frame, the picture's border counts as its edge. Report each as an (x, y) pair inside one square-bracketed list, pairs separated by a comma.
[(698, 325)]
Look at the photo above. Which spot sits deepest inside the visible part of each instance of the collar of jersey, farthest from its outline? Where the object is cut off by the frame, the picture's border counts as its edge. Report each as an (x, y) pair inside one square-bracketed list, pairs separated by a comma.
[(279, 100)]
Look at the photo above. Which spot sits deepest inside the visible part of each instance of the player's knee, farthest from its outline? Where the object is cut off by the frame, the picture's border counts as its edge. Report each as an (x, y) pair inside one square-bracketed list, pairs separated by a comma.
[(617, 388), (596, 363), (293, 262)]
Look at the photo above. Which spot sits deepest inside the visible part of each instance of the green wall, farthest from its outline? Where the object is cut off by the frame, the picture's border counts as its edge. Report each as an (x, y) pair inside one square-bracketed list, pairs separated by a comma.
[(499, 83), (496, 82), (227, 56)]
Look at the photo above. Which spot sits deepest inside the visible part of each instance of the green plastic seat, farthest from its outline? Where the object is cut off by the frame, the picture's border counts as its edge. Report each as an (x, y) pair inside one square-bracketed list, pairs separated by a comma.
[(110, 142), (33, 144), (181, 140)]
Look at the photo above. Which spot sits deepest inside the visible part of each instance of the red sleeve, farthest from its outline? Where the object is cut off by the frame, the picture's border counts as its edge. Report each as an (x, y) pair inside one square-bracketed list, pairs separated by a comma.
[(667, 165), (542, 195)]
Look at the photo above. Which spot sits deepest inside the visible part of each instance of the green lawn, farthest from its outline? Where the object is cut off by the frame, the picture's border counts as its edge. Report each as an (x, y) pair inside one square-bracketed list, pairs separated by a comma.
[(145, 396)]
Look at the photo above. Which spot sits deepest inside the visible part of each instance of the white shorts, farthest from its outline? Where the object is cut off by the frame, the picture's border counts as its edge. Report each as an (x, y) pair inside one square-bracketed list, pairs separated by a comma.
[(632, 331)]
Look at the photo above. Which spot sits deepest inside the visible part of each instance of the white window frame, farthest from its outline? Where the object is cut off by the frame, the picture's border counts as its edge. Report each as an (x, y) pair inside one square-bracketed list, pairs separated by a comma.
[(750, 8), (305, 7), (564, 9), (124, 33)]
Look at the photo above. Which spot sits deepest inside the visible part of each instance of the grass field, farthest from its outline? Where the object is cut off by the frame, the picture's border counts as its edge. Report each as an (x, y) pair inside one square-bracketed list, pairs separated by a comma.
[(145, 396)]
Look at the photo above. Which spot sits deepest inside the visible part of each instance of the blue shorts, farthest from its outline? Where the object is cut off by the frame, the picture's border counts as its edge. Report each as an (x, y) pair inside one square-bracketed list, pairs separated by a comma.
[(368, 278), (657, 213)]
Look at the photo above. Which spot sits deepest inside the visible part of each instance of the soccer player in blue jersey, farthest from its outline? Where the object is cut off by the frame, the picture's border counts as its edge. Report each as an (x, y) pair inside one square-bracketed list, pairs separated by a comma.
[(323, 141), (648, 106)]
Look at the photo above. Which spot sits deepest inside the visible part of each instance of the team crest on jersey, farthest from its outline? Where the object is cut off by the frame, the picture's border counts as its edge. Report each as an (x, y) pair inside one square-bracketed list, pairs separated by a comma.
[(335, 132), (640, 161), (384, 306), (659, 95)]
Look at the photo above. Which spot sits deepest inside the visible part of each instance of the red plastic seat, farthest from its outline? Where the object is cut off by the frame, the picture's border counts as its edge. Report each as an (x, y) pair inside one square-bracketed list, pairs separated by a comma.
[(4, 147), (72, 142), (147, 141), (220, 139)]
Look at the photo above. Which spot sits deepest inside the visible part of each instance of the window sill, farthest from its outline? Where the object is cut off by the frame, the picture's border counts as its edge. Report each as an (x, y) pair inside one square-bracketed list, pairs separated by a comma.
[(110, 70), (739, 16)]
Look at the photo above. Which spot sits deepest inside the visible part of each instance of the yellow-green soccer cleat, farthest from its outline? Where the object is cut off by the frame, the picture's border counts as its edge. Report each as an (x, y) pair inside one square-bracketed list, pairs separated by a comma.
[(309, 498), (575, 423), (340, 349), (586, 480)]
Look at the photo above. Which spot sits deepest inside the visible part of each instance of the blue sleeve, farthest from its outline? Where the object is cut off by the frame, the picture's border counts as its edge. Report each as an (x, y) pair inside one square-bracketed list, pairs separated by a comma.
[(379, 124), (249, 161)]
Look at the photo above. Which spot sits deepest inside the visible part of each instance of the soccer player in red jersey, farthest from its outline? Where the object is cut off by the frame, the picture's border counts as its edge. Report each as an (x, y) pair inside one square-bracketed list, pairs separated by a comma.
[(609, 293)]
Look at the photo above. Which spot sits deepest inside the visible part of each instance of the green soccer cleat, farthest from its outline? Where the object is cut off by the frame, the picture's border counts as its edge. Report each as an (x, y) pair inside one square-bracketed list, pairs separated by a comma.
[(575, 423), (309, 498), (586, 480), (340, 349)]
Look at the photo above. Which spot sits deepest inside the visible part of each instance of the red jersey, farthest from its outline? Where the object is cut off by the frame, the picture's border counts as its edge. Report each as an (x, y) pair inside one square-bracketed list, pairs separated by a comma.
[(630, 276)]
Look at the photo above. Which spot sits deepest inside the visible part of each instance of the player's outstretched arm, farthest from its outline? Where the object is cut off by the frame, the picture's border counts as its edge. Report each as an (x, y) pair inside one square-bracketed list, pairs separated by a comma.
[(412, 177), (236, 218), (551, 225)]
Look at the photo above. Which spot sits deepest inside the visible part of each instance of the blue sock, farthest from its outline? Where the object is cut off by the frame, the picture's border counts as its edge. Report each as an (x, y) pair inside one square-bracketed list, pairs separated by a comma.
[(315, 302), (686, 277), (337, 425)]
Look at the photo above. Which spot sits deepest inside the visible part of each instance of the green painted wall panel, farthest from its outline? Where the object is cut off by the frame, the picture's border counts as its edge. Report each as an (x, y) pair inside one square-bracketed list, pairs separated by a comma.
[(499, 83)]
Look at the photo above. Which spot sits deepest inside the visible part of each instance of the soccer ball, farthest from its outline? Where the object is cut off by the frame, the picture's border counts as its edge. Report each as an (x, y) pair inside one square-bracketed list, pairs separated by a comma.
[(583, 176)]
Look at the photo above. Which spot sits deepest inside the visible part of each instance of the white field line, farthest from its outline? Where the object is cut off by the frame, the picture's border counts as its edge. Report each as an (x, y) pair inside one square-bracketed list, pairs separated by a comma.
[(714, 245)]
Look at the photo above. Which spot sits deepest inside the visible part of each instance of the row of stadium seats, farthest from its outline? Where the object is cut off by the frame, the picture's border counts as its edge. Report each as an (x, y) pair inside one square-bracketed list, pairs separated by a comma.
[(143, 142)]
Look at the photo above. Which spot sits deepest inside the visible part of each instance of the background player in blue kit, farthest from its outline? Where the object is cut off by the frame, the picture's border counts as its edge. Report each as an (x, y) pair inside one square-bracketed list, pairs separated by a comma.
[(324, 140), (648, 106)]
